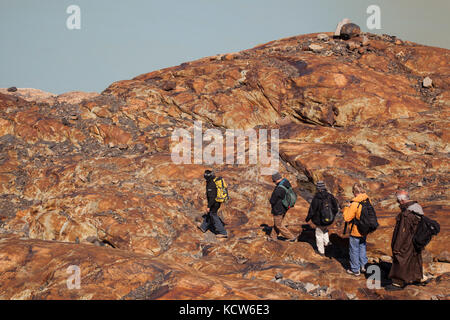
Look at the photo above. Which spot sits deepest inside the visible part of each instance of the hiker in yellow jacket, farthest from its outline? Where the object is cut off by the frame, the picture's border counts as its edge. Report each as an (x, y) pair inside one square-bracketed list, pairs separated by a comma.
[(357, 242)]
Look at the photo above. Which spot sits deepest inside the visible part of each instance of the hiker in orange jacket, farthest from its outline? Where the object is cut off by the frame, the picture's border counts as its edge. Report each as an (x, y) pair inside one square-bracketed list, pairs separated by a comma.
[(357, 242)]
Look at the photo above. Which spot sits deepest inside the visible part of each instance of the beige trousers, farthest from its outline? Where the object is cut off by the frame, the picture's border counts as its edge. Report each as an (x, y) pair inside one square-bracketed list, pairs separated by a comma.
[(279, 229)]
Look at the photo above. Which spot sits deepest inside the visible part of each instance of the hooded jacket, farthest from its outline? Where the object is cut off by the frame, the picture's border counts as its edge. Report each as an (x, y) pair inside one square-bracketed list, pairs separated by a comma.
[(316, 204), (413, 206), (277, 197), (354, 211), (406, 261)]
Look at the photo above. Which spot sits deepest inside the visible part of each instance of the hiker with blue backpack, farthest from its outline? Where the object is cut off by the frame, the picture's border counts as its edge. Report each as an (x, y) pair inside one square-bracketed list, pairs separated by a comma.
[(361, 216), (322, 211), (281, 200)]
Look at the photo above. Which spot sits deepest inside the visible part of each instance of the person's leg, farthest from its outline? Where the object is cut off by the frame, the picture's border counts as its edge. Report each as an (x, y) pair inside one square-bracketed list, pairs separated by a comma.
[(319, 240), (215, 220), (362, 253), (326, 239), (284, 231), (354, 254), (205, 223), (275, 231), (397, 284)]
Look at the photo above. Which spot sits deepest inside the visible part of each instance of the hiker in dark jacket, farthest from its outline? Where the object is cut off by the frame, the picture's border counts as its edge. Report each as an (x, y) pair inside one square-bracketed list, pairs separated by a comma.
[(314, 213), (278, 209), (211, 219), (406, 260)]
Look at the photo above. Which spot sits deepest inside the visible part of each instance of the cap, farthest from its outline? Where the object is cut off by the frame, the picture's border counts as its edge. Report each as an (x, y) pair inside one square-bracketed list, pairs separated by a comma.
[(276, 176)]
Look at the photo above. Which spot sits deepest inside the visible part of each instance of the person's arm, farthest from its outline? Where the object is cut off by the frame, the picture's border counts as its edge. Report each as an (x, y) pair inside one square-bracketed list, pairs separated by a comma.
[(312, 209), (309, 216), (273, 197), (211, 195), (277, 198), (335, 205), (277, 195)]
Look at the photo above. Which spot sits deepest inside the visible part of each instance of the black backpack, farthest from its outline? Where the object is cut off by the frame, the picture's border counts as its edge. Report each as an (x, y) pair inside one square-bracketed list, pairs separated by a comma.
[(326, 211), (367, 222), (426, 229)]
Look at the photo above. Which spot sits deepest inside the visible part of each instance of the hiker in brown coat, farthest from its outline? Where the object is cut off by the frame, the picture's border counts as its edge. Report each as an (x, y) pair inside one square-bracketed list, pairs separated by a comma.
[(406, 261)]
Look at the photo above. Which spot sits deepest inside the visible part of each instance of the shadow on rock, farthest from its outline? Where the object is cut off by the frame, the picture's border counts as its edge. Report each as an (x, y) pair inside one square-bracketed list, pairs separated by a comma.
[(308, 235), (337, 249), (384, 268)]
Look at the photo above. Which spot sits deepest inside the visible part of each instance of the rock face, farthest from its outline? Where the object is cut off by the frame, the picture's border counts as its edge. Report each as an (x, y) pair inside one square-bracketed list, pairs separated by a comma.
[(427, 82), (349, 30), (39, 96), (344, 21), (88, 179)]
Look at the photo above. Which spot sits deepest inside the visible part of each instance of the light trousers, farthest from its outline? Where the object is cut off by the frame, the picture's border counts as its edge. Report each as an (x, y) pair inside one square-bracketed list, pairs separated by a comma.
[(322, 238)]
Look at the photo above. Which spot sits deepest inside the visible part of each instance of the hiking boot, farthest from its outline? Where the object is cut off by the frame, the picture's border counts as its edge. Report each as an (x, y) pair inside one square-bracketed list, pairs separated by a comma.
[(363, 270), (419, 283), (200, 227), (349, 271), (222, 236), (393, 287)]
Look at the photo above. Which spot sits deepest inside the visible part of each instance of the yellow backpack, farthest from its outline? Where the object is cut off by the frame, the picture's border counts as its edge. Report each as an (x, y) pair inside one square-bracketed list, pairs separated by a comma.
[(222, 190)]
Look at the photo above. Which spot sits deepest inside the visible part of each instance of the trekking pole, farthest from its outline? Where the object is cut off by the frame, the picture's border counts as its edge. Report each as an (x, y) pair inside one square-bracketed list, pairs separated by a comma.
[(345, 228)]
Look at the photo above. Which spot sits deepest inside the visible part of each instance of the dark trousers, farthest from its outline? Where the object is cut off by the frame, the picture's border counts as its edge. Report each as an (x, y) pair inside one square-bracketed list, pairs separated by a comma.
[(212, 220)]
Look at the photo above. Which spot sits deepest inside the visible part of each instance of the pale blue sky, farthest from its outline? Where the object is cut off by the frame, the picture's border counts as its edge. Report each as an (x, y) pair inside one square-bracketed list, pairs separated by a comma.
[(122, 39)]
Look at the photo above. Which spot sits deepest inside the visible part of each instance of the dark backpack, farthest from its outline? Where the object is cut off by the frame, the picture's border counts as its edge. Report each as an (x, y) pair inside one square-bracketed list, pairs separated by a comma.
[(367, 222), (290, 198), (326, 211), (426, 229)]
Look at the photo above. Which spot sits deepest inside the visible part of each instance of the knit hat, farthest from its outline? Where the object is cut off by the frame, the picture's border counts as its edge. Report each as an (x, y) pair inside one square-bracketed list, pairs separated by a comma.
[(209, 174), (276, 176), (321, 186)]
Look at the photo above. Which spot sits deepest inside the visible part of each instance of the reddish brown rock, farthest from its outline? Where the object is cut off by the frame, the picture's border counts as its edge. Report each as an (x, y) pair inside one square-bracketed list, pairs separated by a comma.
[(349, 30), (87, 178)]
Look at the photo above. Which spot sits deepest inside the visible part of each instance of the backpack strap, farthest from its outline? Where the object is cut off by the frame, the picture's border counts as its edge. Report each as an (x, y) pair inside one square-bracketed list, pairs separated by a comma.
[(285, 188), (219, 179), (351, 228), (354, 219), (281, 185)]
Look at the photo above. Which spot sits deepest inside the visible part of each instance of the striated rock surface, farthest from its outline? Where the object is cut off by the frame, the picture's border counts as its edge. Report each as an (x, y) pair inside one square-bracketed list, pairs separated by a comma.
[(88, 179), (39, 96)]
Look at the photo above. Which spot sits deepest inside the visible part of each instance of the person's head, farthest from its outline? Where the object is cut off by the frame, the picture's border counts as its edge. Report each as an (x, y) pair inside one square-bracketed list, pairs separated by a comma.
[(209, 174), (276, 177), (321, 186), (358, 189), (402, 196)]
